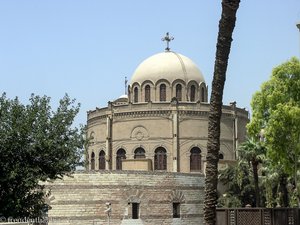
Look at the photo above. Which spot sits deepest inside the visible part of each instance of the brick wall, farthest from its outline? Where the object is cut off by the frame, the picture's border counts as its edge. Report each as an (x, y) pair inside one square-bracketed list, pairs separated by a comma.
[(81, 198)]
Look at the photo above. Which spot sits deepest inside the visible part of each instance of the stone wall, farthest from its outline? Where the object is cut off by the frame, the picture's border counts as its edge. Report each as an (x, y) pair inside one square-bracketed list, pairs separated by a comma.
[(82, 197)]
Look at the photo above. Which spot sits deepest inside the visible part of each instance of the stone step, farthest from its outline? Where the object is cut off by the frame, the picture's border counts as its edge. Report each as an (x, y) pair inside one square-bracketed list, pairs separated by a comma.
[(132, 222)]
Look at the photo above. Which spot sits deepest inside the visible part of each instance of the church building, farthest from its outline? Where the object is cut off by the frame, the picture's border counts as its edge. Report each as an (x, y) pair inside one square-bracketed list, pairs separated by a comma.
[(146, 158)]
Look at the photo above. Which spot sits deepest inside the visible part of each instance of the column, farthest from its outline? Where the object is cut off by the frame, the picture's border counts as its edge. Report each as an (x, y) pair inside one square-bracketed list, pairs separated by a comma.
[(108, 155), (175, 141)]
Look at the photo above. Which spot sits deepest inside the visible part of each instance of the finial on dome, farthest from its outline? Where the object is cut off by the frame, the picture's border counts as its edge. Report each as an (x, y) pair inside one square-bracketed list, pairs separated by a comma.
[(167, 38), (126, 85)]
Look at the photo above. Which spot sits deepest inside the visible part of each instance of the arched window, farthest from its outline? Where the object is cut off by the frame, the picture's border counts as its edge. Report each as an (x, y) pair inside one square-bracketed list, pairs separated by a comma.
[(136, 94), (195, 159), (193, 93), (93, 161), (179, 92), (121, 154), (102, 160), (221, 156), (160, 159), (147, 93), (202, 94), (162, 93), (139, 153)]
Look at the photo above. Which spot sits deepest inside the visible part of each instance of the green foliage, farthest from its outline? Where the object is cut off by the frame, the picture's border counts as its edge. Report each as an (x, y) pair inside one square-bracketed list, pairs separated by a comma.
[(276, 122), (276, 109), (283, 135), (239, 182), (275, 186), (229, 201), (36, 144), (276, 112), (242, 180), (252, 151)]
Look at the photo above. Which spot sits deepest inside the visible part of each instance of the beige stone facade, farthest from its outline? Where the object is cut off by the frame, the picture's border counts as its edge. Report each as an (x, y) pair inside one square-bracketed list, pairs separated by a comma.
[(81, 199), (176, 127), (167, 110), (147, 150)]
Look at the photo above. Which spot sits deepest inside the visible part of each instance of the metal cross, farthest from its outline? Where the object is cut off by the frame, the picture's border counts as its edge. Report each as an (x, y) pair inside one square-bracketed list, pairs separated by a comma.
[(167, 38)]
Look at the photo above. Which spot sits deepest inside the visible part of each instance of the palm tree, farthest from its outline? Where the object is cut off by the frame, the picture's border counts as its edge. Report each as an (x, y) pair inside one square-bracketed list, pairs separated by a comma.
[(240, 189), (226, 26), (253, 152)]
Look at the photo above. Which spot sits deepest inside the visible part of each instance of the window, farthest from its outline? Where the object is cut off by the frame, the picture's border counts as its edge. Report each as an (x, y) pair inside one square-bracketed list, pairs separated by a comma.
[(160, 159), (121, 154), (179, 92), (92, 161), (202, 94), (195, 159), (162, 93), (139, 153), (192, 93), (136, 94), (135, 210), (147, 93), (102, 160), (221, 156), (176, 210)]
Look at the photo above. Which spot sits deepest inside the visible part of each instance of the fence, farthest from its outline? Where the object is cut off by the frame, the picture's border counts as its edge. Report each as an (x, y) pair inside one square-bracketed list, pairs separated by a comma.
[(258, 216), (12, 223)]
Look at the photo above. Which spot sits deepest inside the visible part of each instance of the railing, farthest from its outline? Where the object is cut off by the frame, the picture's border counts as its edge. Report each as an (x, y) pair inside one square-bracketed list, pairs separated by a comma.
[(258, 216)]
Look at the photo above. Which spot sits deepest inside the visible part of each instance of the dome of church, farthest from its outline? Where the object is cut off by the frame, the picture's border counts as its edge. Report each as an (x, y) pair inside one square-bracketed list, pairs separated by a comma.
[(123, 99), (169, 66)]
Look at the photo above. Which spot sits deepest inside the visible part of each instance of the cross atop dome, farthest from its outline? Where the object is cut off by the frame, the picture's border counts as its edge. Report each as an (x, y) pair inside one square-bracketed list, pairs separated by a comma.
[(126, 81), (167, 38)]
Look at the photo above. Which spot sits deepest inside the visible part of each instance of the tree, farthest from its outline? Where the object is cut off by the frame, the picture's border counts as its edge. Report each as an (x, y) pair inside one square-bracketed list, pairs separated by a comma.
[(36, 144), (239, 186), (253, 152), (226, 26), (276, 110), (277, 187)]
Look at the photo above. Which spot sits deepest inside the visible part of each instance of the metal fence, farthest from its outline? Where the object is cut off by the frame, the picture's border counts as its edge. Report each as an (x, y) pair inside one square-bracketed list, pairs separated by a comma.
[(258, 216)]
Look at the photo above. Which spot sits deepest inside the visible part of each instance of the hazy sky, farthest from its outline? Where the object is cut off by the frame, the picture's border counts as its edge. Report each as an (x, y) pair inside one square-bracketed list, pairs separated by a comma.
[(86, 47)]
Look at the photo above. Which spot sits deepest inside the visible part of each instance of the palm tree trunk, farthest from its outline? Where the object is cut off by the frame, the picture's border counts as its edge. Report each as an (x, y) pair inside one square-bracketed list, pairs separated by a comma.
[(226, 26), (255, 176)]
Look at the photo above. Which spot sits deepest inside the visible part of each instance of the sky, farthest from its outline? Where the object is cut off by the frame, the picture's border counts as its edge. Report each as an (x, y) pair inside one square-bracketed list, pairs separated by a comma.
[(86, 47)]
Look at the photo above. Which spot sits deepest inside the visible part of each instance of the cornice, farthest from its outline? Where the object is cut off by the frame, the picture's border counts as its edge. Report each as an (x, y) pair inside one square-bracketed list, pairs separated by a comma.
[(166, 113)]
